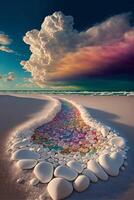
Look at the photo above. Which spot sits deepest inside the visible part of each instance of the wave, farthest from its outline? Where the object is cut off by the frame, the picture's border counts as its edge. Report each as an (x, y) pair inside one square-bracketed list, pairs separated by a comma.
[(61, 92)]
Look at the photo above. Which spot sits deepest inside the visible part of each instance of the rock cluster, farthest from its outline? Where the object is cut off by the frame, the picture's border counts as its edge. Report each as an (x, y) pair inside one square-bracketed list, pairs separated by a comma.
[(68, 153)]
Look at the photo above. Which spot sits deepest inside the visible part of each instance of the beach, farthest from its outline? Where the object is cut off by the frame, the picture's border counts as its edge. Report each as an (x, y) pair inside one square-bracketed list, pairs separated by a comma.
[(115, 111)]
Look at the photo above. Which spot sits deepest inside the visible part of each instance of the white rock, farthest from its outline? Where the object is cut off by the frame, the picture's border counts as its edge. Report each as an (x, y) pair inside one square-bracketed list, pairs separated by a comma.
[(26, 163), (81, 183), (97, 170), (21, 143), (20, 180), (25, 154), (112, 163), (122, 168), (90, 175), (125, 157), (65, 172), (125, 164), (77, 166), (44, 171), (34, 181), (104, 131), (59, 188), (28, 133), (118, 141), (62, 162)]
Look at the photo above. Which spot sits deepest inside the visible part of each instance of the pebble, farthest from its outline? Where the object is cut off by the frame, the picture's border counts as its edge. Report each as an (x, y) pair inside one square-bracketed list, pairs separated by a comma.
[(26, 163), (25, 154), (34, 181), (104, 131), (65, 172), (81, 183), (90, 175), (122, 168), (20, 180), (44, 171), (112, 163), (70, 145), (77, 166), (59, 188), (97, 170), (118, 141), (62, 162), (125, 164), (21, 143)]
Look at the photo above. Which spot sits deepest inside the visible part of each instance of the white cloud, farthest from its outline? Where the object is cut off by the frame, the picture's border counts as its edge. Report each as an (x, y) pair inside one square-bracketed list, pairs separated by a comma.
[(108, 31), (6, 49), (5, 39), (10, 76), (57, 38)]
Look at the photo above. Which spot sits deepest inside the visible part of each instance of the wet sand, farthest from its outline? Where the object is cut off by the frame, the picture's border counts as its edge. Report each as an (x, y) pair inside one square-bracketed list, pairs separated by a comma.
[(118, 112)]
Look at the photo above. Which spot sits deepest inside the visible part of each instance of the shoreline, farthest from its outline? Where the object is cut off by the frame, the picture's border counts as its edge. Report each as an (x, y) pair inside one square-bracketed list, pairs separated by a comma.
[(110, 119)]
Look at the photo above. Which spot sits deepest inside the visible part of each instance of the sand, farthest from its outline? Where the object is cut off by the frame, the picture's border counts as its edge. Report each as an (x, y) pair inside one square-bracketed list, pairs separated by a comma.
[(13, 112), (114, 111)]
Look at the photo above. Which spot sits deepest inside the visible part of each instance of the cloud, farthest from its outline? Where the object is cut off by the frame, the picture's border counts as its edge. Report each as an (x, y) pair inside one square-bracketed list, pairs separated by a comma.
[(10, 76), (6, 49), (59, 51), (5, 39)]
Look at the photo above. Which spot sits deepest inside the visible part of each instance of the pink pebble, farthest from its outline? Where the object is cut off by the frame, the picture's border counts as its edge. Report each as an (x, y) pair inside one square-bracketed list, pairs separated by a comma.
[(81, 136)]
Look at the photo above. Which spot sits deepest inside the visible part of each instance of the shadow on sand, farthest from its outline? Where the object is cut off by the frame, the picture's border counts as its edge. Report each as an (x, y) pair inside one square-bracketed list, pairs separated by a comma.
[(116, 188)]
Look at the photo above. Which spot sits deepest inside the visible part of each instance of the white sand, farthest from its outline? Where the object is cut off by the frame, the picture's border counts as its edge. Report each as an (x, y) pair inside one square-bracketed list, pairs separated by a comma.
[(117, 112)]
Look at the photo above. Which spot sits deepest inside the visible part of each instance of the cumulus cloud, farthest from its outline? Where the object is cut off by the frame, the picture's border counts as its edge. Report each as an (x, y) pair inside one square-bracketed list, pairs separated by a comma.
[(60, 51), (5, 40), (10, 76)]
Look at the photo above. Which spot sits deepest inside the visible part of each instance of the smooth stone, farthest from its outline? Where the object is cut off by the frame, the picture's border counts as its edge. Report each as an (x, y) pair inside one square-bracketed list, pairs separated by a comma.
[(97, 170), (28, 133), (20, 180), (122, 168), (26, 163), (59, 188), (21, 143), (81, 183), (104, 131), (25, 154), (44, 171), (111, 163), (90, 174), (34, 181), (125, 164), (118, 141), (65, 172), (77, 166)]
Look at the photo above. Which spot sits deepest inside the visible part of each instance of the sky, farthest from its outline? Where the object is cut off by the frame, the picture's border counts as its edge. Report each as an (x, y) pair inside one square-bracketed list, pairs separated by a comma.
[(65, 44)]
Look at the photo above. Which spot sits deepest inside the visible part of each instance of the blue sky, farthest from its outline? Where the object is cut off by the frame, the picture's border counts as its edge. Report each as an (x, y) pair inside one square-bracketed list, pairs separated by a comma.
[(18, 17)]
